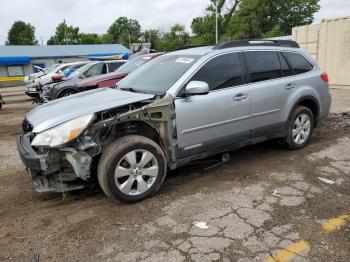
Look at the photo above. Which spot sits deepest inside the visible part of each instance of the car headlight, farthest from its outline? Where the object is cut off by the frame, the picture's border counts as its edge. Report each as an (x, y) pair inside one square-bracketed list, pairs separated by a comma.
[(63, 133)]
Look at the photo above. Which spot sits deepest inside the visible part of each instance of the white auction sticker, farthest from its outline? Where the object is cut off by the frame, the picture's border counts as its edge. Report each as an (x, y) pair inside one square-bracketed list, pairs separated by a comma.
[(184, 60)]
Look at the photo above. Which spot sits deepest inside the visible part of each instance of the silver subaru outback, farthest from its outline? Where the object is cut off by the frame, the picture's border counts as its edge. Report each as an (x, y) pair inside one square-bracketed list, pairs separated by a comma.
[(180, 107)]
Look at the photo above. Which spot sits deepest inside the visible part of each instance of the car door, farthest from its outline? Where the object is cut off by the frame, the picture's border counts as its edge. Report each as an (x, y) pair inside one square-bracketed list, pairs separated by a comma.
[(219, 118), (267, 87)]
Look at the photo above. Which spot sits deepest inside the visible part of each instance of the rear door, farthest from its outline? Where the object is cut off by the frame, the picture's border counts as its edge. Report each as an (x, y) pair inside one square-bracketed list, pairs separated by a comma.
[(220, 118), (268, 87)]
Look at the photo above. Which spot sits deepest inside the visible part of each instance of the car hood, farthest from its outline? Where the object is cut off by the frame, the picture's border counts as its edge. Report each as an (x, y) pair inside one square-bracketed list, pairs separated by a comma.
[(62, 110), (96, 79)]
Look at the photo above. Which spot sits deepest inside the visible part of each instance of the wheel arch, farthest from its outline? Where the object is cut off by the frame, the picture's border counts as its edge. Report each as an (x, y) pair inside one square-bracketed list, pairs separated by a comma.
[(136, 127), (68, 88), (310, 102)]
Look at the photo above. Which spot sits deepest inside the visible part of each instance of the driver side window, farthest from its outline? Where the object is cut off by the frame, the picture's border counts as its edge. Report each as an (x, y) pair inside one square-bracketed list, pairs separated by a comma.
[(221, 72), (95, 70)]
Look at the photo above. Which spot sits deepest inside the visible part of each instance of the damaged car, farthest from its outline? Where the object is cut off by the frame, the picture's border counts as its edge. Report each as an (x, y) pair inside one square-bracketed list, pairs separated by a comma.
[(178, 108)]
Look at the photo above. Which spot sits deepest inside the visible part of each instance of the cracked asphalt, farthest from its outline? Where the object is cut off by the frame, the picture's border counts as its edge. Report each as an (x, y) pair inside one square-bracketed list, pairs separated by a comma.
[(264, 204)]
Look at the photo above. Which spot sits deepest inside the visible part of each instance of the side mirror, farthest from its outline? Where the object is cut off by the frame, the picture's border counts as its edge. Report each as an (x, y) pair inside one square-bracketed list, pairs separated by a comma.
[(197, 88)]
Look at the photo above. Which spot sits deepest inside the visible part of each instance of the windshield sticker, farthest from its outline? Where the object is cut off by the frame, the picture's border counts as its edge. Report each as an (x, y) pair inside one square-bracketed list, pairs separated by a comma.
[(184, 60)]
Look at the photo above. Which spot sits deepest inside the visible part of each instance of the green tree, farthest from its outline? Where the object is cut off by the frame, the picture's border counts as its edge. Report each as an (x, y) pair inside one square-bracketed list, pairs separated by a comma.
[(90, 39), (65, 35), (125, 30), (267, 18), (21, 34), (240, 19), (106, 39), (176, 38), (204, 30), (152, 36), (204, 27)]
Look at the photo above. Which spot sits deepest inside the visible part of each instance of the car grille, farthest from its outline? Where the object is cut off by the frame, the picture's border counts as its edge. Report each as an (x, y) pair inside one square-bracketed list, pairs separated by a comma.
[(26, 126)]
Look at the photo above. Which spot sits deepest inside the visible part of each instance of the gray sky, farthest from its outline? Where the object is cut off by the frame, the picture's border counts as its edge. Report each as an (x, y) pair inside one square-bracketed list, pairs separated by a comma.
[(95, 16)]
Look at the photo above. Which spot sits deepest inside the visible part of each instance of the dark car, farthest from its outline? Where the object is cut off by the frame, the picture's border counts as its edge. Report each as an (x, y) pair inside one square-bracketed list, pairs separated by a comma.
[(66, 85), (112, 79)]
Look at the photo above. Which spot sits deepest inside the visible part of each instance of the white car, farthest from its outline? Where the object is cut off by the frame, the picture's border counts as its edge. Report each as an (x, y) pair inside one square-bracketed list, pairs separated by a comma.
[(32, 77)]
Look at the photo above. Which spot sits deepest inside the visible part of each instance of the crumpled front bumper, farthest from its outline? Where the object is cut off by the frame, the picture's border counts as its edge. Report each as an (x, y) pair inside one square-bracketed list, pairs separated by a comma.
[(46, 169), (34, 162), (32, 90)]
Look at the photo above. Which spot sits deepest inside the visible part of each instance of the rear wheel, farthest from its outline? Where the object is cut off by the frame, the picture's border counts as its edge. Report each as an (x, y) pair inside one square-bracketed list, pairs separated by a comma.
[(67, 93), (131, 169), (300, 128)]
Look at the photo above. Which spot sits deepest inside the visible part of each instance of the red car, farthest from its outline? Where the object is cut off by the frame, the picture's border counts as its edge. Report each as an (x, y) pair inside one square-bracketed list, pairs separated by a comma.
[(112, 79)]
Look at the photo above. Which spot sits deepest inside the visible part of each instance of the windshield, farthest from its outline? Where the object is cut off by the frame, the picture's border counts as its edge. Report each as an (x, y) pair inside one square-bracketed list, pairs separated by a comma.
[(133, 64), (158, 75), (81, 70), (68, 71), (52, 68)]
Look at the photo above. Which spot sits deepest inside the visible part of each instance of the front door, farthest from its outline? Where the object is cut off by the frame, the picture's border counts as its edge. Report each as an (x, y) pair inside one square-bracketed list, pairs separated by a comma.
[(219, 118)]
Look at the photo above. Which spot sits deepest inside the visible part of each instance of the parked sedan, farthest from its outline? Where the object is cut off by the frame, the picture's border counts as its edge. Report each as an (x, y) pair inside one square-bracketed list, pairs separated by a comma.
[(112, 79), (66, 86)]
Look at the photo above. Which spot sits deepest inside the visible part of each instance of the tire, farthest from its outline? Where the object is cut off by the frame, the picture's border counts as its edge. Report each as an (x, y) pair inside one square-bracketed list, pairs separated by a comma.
[(66, 93), (131, 181), (304, 130)]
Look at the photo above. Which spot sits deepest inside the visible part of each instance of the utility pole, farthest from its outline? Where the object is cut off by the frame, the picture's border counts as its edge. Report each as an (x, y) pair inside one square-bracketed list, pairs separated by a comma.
[(216, 22)]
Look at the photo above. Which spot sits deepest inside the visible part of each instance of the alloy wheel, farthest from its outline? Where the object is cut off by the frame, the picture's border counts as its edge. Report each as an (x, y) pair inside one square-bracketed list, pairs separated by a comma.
[(136, 172), (301, 129)]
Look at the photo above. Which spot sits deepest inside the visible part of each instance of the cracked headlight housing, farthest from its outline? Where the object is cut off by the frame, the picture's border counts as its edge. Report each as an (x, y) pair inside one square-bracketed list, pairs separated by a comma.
[(63, 133)]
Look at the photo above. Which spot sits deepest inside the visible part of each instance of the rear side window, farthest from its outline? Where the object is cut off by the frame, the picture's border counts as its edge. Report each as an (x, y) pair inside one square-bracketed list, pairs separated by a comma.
[(114, 66), (298, 63), (286, 70), (221, 72), (263, 65)]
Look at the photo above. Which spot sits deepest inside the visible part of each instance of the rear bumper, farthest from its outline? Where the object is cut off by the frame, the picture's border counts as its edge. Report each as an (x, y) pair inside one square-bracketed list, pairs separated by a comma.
[(326, 102)]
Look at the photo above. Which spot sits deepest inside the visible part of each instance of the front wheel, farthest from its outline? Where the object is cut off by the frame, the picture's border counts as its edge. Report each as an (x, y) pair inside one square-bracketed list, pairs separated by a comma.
[(300, 128), (132, 169), (66, 93)]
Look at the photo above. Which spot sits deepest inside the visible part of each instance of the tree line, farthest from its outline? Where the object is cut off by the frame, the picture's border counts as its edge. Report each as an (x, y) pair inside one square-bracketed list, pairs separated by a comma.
[(237, 19)]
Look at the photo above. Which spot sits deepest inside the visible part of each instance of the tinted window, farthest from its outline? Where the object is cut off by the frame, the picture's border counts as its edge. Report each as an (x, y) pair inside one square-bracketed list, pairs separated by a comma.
[(114, 66), (221, 72), (263, 65), (286, 70), (298, 63)]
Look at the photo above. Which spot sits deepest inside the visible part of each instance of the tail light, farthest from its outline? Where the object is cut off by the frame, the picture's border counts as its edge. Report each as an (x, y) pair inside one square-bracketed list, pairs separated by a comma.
[(56, 78), (324, 77)]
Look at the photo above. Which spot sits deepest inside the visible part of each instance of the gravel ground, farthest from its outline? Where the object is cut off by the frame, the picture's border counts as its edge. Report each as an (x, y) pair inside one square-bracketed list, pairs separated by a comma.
[(265, 204)]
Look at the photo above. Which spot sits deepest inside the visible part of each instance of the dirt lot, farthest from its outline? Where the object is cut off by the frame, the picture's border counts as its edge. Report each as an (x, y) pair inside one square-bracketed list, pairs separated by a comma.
[(265, 204)]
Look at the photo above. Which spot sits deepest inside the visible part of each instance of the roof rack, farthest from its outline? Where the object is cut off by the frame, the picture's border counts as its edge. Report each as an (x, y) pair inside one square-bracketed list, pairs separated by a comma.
[(190, 46), (238, 43)]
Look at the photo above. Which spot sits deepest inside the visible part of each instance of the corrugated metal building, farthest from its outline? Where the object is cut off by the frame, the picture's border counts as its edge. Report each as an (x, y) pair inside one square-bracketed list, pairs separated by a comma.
[(18, 61), (329, 43)]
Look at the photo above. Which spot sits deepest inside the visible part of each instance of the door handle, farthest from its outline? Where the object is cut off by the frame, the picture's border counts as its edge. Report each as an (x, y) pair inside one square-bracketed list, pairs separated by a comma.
[(240, 97), (290, 86)]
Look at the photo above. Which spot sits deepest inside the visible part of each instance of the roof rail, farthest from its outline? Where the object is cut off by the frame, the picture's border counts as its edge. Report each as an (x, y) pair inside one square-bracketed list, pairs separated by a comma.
[(238, 43), (190, 46)]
